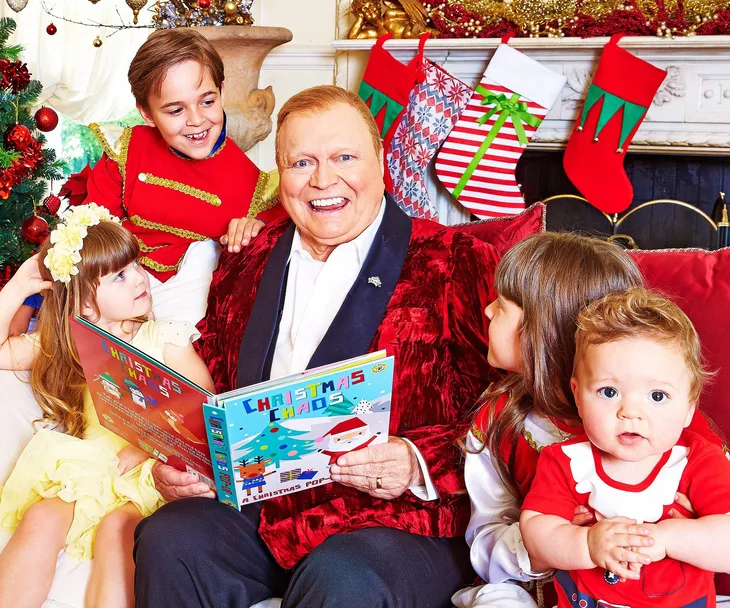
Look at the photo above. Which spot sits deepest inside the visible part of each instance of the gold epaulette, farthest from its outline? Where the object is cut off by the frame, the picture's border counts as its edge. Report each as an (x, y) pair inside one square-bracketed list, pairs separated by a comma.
[(266, 194), (113, 139)]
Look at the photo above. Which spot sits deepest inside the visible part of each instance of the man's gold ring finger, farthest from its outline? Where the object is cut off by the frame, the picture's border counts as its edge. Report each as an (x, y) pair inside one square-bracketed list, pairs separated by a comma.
[(379, 483)]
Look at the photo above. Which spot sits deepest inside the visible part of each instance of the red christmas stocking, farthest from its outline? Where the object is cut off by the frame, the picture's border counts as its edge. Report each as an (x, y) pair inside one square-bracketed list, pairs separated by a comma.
[(478, 160), (615, 105), (386, 87)]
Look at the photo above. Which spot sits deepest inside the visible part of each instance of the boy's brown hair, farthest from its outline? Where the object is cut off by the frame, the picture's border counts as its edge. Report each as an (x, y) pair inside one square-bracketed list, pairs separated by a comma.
[(165, 49), (639, 313)]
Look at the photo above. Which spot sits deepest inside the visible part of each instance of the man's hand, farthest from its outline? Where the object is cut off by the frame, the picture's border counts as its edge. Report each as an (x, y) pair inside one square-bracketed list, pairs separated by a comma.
[(240, 232), (613, 545), (393, 463), (174, 484)]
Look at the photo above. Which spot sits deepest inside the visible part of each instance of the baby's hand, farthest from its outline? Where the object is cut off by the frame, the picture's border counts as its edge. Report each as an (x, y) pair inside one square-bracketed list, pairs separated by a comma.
[(612, 545), (658, 550), (28, 280), (240, 232)]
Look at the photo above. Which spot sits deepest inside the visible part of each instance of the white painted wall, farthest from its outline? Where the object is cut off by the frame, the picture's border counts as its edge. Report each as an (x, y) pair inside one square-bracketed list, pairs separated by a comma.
[(308, 60)]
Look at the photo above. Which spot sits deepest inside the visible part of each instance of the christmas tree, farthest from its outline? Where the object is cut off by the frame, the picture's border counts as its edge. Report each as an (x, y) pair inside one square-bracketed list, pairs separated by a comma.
[(277, 442), (25, 165)]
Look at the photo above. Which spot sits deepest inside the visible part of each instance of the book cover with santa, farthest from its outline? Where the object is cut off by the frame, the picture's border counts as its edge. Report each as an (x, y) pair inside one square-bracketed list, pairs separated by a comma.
[(283, 436)]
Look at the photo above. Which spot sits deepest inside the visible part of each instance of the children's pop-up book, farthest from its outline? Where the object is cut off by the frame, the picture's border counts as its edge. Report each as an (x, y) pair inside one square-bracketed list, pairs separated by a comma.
[(282, 436), (257, 442)]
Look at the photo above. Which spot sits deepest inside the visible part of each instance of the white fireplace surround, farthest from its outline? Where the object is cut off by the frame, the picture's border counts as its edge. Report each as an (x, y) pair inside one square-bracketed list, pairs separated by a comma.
[(690, 113)]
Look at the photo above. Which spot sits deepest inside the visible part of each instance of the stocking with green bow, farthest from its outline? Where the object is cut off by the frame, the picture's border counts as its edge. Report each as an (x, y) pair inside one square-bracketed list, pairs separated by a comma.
[(478, 159), (616, 103), (386, 87)]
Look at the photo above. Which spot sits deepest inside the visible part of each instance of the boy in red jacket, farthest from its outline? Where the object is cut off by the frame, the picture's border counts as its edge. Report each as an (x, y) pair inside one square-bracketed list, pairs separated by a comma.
[(178, 182)]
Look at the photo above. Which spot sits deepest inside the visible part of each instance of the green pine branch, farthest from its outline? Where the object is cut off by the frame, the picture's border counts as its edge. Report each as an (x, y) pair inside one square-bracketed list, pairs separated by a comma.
[(29, 96), (7, 27), (11, 53)]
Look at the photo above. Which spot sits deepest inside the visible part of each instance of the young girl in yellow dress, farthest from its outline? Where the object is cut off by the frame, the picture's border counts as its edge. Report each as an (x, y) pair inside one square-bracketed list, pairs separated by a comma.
[(79, 486)]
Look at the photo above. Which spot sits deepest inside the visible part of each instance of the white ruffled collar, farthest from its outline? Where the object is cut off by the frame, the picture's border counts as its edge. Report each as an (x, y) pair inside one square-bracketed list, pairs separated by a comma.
[(644, 501)]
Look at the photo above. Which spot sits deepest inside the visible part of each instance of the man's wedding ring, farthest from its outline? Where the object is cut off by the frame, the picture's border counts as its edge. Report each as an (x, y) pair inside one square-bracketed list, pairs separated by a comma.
[(379, 483)]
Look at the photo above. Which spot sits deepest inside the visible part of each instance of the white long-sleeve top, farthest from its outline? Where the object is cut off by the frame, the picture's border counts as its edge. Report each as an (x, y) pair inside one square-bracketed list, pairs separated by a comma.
[(497, 551)]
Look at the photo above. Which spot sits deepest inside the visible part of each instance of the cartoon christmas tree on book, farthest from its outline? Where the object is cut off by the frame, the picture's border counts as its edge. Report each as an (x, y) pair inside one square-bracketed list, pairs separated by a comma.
[(277, 443)]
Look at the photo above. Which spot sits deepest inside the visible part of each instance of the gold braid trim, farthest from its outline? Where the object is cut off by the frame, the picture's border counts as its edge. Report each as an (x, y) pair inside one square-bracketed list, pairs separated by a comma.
[(145, 261), (145, 248), (538, 587), (103, 142), (258, 203), (204, 196), (122, 161), (220, 149), (181, 232), (477, 432), (531, 441)]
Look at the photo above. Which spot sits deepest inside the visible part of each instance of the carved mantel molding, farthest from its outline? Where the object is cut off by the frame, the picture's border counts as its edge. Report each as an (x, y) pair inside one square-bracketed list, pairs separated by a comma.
[(690, 112)]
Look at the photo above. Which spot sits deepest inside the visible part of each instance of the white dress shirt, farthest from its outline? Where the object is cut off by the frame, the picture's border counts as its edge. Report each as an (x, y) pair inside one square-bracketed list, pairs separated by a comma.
[(314, 294)]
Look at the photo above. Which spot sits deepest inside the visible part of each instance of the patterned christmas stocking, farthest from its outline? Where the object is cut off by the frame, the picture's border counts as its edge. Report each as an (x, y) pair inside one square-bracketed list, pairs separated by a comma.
[(386, 87), (615, 105), (434, 107), (477, 162)]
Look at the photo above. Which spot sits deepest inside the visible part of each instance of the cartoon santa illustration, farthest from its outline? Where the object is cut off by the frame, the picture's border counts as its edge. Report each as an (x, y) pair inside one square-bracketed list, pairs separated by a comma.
[(347, 436)]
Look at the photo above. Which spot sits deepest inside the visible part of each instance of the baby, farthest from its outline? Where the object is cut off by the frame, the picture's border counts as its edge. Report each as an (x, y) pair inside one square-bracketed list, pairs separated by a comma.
[(637, 380)]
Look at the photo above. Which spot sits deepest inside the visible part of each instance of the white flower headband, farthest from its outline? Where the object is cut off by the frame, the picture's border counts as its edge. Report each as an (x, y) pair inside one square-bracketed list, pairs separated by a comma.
[(68, 239)]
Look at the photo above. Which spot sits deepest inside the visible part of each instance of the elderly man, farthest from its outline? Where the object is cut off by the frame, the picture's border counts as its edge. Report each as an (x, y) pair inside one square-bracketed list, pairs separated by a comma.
[(351, 274)]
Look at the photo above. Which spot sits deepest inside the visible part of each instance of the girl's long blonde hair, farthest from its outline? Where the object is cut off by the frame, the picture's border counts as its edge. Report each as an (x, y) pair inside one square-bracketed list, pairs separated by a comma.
[(56, 376), (551, 276)]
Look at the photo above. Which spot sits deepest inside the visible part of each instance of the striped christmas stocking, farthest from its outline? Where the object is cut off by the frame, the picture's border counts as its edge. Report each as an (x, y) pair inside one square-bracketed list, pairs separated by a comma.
[(478, 160)]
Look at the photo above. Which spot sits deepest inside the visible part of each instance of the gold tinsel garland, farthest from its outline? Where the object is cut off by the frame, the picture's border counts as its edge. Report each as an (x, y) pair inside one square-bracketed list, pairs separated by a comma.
[(558, 18)]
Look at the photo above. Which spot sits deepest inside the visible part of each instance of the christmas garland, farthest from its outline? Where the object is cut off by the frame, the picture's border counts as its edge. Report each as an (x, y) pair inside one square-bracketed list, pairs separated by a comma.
[(578, 18)]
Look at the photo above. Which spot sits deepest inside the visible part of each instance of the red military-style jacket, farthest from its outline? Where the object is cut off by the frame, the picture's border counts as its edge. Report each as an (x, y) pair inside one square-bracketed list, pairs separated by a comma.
[(427, 310), (169, 201)]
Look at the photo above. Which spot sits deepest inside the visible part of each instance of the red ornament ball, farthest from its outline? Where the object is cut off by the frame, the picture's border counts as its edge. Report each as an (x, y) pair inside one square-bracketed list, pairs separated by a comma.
[(35, 229), (204, 4), (46, 119), (51, 29), (52, 204)]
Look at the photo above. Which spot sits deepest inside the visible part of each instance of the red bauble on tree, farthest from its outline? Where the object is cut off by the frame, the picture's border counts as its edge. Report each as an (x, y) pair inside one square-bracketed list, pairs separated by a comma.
[(51, 29), (204, 4), (46, 119), (35, 229), (52, 204)]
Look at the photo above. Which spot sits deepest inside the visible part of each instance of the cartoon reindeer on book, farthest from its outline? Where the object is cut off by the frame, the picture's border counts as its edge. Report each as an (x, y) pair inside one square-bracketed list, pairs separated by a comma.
[(253, 472)]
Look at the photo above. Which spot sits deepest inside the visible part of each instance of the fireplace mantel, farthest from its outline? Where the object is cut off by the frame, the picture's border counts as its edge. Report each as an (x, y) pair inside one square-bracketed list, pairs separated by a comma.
[(690, 113)]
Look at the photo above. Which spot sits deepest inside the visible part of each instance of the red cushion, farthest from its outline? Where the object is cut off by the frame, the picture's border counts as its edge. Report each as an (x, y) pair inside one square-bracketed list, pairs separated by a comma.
[(504, 232), (699, 282)]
